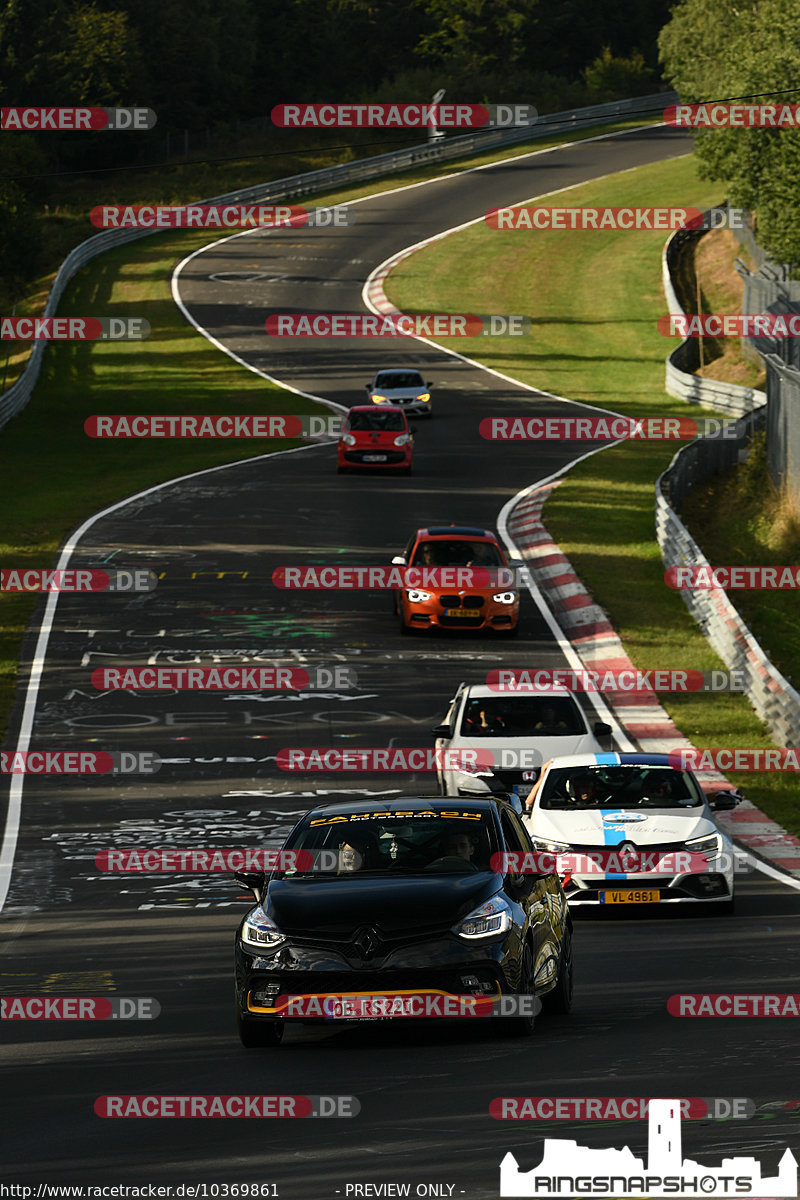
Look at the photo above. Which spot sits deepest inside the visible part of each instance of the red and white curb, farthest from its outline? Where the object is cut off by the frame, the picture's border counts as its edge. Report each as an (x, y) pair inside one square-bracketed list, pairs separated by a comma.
[(594, 639)]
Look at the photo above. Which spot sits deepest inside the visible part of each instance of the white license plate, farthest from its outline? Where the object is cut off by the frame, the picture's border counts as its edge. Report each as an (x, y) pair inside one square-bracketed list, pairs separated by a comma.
[(374, 458)]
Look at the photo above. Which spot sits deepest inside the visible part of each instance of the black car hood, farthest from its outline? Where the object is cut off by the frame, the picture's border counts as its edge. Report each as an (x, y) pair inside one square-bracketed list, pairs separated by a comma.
[(404, 903)]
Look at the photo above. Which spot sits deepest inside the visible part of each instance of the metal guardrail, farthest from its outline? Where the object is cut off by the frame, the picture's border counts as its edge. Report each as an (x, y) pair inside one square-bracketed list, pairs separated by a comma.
[(774, 699), (15, 399), (681, 363)]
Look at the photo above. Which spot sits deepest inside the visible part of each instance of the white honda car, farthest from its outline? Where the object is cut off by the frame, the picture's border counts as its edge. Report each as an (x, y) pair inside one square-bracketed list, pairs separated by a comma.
[(642, 828), (518, 733)]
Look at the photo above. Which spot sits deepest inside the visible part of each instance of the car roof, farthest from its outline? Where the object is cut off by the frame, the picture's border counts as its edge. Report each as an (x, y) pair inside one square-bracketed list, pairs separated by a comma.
[(398, 370), (613, 760), (371, 408), (408, 804), (456, 531), (483, 689)]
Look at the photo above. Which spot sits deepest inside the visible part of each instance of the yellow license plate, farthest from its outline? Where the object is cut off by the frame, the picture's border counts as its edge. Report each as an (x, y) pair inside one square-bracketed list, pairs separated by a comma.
[(462, 612), (630, 897)]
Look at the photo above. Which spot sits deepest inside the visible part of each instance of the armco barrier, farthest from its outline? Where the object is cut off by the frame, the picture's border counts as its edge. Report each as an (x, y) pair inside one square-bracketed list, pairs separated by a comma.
[(776, 702), (313, 182), (728, 398)]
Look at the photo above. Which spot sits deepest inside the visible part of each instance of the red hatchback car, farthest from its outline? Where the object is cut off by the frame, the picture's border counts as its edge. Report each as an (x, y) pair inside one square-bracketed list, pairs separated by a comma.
[(375, 438), (430, 606)]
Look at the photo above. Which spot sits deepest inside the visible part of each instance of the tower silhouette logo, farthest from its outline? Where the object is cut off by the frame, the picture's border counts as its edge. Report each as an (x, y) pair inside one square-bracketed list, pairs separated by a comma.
[(568, 1169)]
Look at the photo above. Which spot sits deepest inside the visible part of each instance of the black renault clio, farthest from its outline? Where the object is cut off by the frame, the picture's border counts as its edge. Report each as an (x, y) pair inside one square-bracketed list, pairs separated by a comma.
[(402, 899)]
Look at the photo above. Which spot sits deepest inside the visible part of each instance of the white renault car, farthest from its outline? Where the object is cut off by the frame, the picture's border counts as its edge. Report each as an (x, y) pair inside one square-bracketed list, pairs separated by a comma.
[(520, 732), (402, 386), (642, 828)]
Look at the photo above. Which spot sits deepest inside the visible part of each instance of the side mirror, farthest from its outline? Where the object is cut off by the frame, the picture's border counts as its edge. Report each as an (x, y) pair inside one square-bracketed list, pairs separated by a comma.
[(601, 729), (725, 801), (412, 429), (368, 386), (429, 383), (399, 560), (442, 731), (254, 881)]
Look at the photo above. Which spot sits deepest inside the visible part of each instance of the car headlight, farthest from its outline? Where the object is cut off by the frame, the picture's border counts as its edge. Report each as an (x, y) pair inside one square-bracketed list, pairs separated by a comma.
[(377, 398), (402, 440), (424, 396), (259, 931), (416, 596), (540, 843), (348, 439), (710, 844), (504, 597), (488, 920)]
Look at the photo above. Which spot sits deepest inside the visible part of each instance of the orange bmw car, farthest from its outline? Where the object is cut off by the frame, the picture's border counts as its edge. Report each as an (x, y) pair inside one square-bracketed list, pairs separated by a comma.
[(449, 606)]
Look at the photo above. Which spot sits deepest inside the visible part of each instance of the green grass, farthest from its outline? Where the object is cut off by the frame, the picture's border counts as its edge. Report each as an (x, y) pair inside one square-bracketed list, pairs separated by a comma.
[(594, 299)]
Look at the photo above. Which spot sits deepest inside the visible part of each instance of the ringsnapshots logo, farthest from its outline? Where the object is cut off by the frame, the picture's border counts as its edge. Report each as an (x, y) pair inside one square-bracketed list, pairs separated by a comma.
[(402, 116), (704, 577), (79, 1008), (219, 216), (23, 579), (631, 681), (604, 429), (79, 762), (567, 1169), (336, 325), (236, 1106), (225, 426), (615, 1108), (626, 219), (73, 329), (222, 679), (75, 120), (732, 116)]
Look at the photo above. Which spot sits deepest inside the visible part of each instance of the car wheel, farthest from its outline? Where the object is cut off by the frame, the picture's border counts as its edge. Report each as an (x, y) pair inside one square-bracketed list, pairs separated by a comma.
[(407, 471), (341, 470), (404, 629), (560, 999), (256, 1034), (520, 1026), (726, 907)]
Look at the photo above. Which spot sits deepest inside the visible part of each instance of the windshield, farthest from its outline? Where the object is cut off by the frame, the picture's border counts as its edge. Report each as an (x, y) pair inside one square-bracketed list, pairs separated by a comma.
[(632, 786), (392, 422), (462, 553), (430, 841), (522, 716), (399, 379)]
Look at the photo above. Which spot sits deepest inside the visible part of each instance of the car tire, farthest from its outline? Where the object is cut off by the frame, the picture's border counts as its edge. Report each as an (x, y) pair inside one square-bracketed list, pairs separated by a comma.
[(258, 1034), (520, 1026), (560, 999), (726, 907)]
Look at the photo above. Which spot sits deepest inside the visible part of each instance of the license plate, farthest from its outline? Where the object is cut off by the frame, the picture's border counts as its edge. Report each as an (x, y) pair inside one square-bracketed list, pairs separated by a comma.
[(522, 789), (630, 897), (374, 458), (462, 612)]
